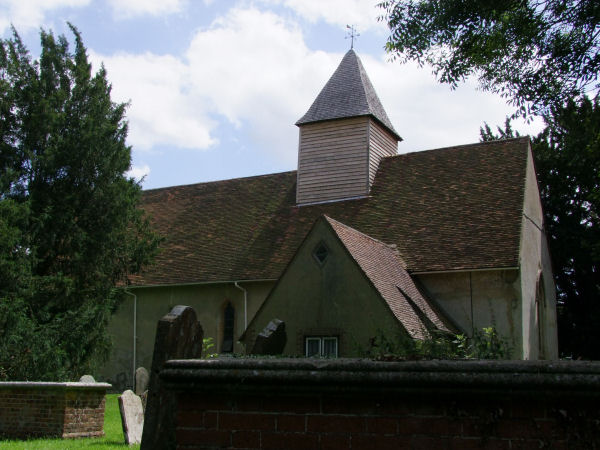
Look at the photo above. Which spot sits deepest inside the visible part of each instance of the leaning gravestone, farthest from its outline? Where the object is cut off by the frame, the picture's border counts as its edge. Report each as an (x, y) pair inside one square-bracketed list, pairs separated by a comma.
[(178, 336), (87, 379), (141, 380), (271, 340), (132, 417)]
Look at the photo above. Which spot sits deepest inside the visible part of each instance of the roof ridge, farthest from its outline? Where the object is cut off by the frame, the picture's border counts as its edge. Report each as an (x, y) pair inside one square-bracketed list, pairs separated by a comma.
[(250, 177), (452, 147)]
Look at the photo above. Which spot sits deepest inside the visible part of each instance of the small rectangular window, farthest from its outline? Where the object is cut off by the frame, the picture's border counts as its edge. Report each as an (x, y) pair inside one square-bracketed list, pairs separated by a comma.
[(313, 346), (329, 347), (321, 346)]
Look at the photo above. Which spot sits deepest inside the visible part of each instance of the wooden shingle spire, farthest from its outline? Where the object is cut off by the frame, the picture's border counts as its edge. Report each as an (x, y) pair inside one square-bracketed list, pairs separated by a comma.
[(348, 93), (343, 136)]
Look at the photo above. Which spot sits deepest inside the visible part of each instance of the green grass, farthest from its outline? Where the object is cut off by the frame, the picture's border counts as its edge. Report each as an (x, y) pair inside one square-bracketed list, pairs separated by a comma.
[(113, 438)]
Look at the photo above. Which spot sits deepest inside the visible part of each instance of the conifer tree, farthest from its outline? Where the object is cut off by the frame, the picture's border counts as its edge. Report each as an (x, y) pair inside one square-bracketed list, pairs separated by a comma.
[(70, 229)]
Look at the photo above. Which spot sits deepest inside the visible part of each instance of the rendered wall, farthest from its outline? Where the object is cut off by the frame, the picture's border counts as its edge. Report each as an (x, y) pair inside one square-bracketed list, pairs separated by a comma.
[(539, 304), (474, 300), (312, 301), (521, 303), (153, 303), (354, 404)]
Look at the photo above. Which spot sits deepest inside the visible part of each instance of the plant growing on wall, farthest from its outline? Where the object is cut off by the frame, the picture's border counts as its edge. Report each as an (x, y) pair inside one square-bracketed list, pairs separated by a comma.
[(484, 344)]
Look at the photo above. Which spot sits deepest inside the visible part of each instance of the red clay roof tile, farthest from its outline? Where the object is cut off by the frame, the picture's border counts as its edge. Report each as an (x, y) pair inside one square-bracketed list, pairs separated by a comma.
[(385, 269)]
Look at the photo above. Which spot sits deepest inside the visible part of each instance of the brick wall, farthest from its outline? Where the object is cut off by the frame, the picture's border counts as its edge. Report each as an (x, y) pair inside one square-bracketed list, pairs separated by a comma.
[(68, 410), (299, 404)]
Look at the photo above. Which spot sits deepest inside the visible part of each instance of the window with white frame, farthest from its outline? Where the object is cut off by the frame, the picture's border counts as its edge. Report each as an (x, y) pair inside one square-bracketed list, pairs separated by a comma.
[(321, 346)]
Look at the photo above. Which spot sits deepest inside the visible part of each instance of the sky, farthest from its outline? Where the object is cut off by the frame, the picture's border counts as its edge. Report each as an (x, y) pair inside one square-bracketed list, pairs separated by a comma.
[(215, 86)]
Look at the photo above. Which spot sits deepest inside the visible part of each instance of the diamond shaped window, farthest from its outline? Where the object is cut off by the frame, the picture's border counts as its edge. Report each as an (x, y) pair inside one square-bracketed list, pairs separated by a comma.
[(321, 253)]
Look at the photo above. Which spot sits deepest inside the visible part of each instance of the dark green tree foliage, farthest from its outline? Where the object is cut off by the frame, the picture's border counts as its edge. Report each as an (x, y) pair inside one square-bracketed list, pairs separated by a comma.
[(536, 53), (567, 157), (70, 230)]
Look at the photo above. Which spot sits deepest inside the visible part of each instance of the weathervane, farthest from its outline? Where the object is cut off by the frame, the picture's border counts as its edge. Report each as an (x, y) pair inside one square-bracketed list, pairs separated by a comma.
[(352, 33)]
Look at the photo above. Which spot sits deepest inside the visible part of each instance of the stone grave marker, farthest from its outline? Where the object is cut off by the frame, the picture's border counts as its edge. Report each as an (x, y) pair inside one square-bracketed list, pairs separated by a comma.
[(178, 336), (87, 379), (271, 340), (141, 380), (144, 397), (132, 417)]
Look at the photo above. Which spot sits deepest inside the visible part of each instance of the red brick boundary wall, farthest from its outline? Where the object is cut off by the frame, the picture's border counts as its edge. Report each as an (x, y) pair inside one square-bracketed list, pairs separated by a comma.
[(358, 404), (37, 409)]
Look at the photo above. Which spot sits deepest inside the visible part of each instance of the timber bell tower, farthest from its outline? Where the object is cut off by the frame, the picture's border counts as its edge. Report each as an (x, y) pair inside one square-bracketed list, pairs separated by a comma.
[(343, 136)]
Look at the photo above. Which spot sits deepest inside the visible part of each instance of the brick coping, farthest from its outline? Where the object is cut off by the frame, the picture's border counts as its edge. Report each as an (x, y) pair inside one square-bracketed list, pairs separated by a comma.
[(53, 385), (436, 365), (351, 374)]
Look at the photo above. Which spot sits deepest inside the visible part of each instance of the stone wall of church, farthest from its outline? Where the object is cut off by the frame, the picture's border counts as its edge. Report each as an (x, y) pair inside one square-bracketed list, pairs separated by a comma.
[(209, 300), (539, 293), (313, 303), (478, 299), (520, 303)]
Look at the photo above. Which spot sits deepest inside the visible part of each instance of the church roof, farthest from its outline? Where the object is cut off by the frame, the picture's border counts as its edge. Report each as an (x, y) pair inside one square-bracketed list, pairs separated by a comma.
[(455, 208), (385, 270), (348, 93)]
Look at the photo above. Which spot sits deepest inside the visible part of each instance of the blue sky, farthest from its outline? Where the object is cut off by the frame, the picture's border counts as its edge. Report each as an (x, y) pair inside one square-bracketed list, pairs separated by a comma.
[(215, 86)]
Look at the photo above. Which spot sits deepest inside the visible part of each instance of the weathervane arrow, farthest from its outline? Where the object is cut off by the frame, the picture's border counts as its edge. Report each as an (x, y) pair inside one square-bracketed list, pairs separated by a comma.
[(352, 33)]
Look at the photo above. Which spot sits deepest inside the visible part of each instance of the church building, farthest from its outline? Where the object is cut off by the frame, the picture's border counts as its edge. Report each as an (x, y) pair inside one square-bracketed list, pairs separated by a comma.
[(359, 240)]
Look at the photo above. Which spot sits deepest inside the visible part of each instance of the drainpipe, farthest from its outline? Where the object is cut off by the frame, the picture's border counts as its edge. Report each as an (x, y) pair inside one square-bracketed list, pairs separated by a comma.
[(245, 303), (134, 332), (471, 295)]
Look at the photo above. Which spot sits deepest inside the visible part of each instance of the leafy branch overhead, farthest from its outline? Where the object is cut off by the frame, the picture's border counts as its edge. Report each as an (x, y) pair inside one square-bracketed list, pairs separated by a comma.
[(535, 53)]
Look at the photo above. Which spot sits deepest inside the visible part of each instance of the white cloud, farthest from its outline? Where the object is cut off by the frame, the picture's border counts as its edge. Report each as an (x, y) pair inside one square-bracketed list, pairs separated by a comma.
[(428, 114), (27, 14), (361, 13), (252, 70), (129, 8), (161, 110), (139, 172), (256, 71), (249, 68)]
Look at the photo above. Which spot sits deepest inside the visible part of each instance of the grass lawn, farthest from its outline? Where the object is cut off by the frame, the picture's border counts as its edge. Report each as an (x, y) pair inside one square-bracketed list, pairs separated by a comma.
[(113, 438)]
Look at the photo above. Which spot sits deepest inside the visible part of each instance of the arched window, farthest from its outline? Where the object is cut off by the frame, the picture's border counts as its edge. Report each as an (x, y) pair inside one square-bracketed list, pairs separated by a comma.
[(228, 327), (540, 304)]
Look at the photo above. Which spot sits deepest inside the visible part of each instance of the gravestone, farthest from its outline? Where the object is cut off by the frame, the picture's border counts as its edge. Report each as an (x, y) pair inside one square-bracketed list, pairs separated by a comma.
[(141, 380), (144, 397), (271, 340), (87, 379), (178, 336), (132, 417)]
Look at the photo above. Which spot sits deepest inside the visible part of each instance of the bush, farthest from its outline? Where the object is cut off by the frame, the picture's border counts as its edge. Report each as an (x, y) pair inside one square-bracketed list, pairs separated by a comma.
[(485, 344)]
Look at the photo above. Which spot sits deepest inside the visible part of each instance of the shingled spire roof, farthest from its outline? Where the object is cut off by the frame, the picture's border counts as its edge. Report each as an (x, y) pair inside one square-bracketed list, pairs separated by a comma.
[(348, 93)]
